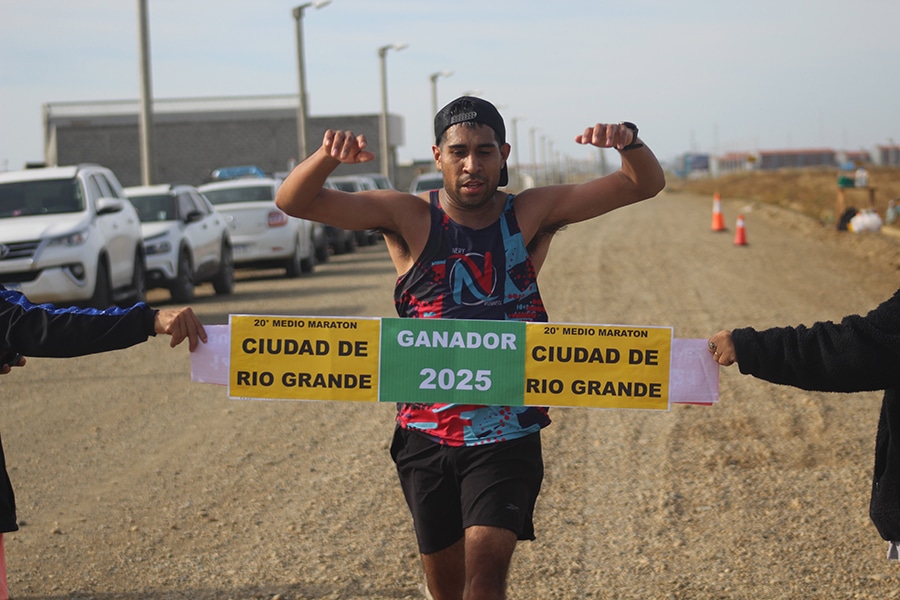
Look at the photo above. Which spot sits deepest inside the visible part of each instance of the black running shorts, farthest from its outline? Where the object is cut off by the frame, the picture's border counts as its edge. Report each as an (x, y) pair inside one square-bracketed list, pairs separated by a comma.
[(450, 488)]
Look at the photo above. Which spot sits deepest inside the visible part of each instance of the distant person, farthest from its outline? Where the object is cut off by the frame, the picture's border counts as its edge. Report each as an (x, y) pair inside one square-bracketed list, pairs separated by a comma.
[(861, 353), (465, 250), (861, 177), (43, 330)]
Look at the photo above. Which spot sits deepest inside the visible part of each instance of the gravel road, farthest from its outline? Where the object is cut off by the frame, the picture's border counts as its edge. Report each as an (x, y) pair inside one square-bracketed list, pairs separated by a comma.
[(134, 483)]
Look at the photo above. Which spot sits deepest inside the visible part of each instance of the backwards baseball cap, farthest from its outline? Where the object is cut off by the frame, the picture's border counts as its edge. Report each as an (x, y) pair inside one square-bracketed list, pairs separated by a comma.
[(476, 110)]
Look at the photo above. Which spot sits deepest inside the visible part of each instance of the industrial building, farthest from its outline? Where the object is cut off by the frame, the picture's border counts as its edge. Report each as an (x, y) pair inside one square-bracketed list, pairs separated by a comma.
[(192, 137)]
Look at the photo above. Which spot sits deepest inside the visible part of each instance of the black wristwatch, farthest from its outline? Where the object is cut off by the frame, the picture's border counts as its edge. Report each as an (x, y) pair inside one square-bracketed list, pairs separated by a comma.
[(634, 140)]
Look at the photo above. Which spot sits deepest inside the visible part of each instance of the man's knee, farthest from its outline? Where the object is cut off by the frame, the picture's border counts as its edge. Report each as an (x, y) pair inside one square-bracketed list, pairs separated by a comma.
[(489, 551)]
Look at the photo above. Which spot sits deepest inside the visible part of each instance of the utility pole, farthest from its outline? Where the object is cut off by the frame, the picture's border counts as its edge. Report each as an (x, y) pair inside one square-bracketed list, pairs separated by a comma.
[(146, 113)]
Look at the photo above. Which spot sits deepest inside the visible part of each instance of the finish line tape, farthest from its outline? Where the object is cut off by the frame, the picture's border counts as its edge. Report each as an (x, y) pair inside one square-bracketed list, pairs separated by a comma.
[(268, 357)]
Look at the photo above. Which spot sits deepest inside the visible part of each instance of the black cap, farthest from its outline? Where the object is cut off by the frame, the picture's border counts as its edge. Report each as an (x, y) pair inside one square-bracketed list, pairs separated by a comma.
[(470, 108)]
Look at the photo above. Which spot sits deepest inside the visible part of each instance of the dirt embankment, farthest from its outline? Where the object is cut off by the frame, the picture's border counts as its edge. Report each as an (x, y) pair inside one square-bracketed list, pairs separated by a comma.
[(813, 193), (810, 191)]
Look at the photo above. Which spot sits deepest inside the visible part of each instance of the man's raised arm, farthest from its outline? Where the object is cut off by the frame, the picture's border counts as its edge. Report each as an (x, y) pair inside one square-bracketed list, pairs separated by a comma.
[(640, 177), (302, 193)]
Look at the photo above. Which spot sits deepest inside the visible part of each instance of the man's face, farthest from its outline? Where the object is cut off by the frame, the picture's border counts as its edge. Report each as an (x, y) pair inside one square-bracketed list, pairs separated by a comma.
[(470, 159)]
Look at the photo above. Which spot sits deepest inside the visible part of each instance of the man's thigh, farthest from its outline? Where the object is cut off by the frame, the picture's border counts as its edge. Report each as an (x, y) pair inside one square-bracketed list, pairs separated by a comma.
[(431, 489), (500, 484)]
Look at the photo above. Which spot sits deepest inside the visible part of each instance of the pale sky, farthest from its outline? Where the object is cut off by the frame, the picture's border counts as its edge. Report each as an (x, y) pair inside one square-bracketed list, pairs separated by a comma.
[(696, 75)]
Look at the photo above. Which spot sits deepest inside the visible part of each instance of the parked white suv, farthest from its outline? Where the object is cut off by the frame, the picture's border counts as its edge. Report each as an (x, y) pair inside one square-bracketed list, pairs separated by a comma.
[(69, 235), (261, 234), (186, 240)]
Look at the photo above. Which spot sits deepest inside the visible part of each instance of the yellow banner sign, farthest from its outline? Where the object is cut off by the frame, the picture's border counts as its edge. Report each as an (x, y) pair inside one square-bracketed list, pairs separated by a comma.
[(599, 366), (305, 358)]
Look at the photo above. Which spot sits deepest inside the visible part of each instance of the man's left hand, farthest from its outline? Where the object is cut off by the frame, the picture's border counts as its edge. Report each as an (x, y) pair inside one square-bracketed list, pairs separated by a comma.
[(607, 135)]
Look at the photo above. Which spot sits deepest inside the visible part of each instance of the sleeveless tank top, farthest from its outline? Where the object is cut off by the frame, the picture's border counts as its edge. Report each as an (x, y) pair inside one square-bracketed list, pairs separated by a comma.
[(466, 273)]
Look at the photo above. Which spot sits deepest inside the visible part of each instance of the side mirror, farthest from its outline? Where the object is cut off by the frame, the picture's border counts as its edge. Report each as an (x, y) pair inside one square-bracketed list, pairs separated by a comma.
[(108, 206), (193, 216)]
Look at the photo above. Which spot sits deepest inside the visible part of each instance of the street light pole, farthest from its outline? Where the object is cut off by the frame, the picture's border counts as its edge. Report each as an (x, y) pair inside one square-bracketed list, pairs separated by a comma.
[(146, 117), (515, 148), (383, 121), (301, 104), (434, 99), (545, 180)]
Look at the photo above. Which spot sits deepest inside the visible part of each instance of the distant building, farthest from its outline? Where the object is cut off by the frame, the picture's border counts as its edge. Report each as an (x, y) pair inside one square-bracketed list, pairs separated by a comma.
[(888, 156), (734, 161), (693, 164), (192, 137), (779, 159)]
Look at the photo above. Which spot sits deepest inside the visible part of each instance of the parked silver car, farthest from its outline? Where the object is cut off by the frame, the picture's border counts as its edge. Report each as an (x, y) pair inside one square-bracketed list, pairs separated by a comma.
[(357, 183), (382, 182), (426, 182), (261, 234), (340, 241), (186, 240)]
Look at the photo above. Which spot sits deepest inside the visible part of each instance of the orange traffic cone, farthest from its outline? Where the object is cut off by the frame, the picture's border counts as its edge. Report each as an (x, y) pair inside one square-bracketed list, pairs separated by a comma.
[(718, 221), (740, 235)]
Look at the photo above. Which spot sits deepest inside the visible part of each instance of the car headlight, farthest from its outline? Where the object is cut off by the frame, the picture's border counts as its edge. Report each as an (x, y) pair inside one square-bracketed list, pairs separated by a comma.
[(73, 239), (157, 246)]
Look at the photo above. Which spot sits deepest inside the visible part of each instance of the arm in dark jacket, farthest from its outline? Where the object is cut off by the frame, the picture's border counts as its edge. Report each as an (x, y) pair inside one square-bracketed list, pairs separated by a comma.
[(47, 331), (860, 353)]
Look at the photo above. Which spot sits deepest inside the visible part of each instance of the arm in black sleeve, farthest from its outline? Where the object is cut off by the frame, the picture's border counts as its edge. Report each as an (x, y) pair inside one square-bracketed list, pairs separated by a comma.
[(860, 353), (47, 331)]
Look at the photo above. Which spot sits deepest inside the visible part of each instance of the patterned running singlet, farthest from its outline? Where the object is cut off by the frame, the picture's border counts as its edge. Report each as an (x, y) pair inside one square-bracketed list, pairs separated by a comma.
[(464, 273)]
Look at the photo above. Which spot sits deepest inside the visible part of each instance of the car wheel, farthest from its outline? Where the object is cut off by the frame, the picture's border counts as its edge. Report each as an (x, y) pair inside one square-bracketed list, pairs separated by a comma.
[(223, 282), (183, 287), (322, 250), (362, 238), (339, 246), (308, 264), (293, 266), (350, 242), (102, 297), (139, 279)]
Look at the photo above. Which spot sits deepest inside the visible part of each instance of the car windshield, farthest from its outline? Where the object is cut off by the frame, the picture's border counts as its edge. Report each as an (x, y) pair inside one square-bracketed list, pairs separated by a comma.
[(158, 207), (382, 182), (40, 197), (429, 183), (256, 193), (237, 172), (346, 186)]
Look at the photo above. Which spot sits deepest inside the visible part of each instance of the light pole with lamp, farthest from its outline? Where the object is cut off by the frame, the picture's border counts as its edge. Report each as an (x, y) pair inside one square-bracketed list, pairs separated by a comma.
[(532, 155), (383, 121), (434, 99), (301, 105), (517, 177)]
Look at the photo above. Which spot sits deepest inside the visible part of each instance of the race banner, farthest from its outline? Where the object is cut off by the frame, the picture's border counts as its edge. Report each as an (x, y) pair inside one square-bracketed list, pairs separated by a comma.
[(304, 358), (455, 361)]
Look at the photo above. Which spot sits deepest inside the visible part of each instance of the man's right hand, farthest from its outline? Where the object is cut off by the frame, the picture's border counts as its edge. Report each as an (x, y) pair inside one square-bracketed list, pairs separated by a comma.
[(346, 148)]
